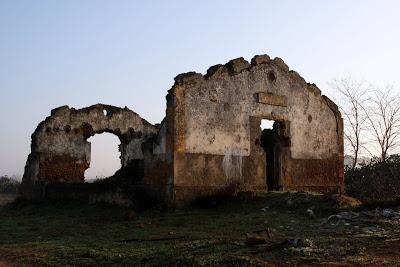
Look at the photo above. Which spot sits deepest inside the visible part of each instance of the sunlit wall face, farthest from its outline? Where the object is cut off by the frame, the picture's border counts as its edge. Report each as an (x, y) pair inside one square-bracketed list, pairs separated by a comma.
[(127, 53)]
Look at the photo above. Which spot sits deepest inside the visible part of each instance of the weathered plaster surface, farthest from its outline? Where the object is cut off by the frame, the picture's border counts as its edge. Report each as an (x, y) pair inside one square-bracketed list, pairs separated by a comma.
[(218, 108)]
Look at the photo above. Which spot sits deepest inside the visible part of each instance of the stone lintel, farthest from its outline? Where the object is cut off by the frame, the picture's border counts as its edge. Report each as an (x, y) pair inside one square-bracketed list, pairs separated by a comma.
[(271, 99)]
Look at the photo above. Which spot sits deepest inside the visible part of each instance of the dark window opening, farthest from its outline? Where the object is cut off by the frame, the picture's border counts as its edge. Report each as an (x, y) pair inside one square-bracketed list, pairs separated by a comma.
[(271, 144), (104, 156)]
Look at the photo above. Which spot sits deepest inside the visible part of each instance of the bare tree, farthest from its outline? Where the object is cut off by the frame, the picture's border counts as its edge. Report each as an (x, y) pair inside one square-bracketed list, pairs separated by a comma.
[(353, 98), (383, 115)]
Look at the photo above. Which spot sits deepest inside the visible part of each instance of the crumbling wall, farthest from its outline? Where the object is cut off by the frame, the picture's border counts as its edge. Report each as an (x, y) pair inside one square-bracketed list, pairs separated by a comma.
[(210, 140), (60, 151), (216, 128)]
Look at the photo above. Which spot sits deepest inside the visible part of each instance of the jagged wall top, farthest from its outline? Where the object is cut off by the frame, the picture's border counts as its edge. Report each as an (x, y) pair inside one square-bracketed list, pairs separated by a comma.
[(239, 65)]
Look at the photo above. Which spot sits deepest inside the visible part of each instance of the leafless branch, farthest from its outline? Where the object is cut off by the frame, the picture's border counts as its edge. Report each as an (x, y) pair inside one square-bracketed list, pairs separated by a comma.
[(353, 95), (383, 116)]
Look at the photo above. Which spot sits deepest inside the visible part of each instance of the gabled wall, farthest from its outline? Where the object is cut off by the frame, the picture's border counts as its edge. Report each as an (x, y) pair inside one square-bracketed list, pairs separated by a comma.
[(216, 130)]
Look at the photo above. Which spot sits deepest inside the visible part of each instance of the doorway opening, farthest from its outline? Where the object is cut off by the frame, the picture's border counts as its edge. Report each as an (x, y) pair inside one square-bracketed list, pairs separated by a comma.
[(271, 145), (104, 157)]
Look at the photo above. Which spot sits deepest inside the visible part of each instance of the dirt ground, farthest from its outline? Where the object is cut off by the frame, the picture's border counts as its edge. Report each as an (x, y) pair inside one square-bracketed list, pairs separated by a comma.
[(6, 199)]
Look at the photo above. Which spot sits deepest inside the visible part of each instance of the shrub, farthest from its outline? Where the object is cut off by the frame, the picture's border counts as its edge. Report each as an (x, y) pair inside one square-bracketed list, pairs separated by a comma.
[(378, 181), (9, 185)]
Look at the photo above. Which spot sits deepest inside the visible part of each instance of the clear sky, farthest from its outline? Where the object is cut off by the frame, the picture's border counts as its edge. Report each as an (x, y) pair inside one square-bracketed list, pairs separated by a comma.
[(126, 53)]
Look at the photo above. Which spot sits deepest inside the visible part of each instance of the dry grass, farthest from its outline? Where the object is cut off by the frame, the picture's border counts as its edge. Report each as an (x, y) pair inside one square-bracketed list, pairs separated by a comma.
[(72, 234)]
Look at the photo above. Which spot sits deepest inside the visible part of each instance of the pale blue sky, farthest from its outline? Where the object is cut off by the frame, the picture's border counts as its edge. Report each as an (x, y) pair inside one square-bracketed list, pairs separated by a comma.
[(126, 53)]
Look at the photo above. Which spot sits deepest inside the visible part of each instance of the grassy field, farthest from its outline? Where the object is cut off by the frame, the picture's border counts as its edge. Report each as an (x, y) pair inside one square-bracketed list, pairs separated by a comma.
[(70, 234)]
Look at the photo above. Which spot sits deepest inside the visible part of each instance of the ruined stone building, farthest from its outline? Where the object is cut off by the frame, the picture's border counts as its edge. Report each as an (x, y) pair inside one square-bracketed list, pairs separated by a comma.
[(210, 141)]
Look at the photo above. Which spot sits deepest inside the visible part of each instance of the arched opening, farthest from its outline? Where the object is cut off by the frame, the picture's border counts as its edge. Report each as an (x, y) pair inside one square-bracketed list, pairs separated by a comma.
[(271, 144), (104, 156)]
